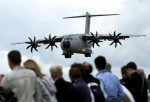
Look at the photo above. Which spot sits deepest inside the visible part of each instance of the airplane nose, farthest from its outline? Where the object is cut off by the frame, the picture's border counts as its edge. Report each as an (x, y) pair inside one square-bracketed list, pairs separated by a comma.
[(66, 44)]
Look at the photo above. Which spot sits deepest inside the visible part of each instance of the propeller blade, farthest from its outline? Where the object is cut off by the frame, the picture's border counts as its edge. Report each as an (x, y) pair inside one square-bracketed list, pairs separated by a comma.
[(50, 38), (31, 49), (28, 46), (96, 34), (118, 35), (115, 45), (114, 33), (45, 38), (55, 46), (97, 44), (90, 42), (119, 42), (35, 48), (51, 48), (112, 43), (93, 45), (34, 39), (30, 39), (53, 38), (47, 47), (92, 34), (110, 35)]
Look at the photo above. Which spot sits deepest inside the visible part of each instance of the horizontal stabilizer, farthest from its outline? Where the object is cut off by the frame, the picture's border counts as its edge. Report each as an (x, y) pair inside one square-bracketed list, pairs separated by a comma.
[(90, 15)]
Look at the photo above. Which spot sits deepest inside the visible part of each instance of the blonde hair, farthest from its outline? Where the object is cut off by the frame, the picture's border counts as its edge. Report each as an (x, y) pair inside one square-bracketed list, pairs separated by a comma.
[(32, 65), (56, 71)]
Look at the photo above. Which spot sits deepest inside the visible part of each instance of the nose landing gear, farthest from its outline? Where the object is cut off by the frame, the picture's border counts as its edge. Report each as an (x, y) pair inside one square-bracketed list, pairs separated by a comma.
[(67, 54), (87, 54)]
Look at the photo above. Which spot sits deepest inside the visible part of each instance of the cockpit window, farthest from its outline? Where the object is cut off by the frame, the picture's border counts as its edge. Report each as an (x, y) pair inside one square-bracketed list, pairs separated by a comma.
[(68, 38)]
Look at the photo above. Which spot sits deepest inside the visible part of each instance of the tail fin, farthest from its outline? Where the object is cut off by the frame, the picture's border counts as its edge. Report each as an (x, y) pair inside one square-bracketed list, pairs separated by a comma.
[(88, 16)]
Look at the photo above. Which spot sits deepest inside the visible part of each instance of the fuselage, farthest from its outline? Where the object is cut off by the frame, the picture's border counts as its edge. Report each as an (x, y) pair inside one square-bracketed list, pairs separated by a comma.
[(75, 43)]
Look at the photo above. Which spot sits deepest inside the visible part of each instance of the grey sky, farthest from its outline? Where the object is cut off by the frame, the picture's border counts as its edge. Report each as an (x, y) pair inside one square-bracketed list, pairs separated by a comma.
[(21, 19)]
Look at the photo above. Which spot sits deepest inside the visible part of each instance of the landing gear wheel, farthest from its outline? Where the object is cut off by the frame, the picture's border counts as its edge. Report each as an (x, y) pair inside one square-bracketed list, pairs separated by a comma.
[(87, 54), (68, 55)]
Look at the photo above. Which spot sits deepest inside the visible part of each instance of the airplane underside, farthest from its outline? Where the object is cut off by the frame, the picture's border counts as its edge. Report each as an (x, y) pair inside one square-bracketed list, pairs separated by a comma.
[(68, 52)]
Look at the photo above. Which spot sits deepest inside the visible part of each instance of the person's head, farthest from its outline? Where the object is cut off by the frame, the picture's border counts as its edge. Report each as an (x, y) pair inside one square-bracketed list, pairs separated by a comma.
[(131, 67), (87, 68), (78, 65), (56, 72), (149, 76), (100, 62), (141, 72), (123, 72), (108, 67), (32, 65), (74, 73), (14, 58), (1, 77)]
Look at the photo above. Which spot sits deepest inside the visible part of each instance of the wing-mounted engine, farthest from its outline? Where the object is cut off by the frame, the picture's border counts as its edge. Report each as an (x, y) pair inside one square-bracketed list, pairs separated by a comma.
[(33, 44), (115, 38), (95, 39), (51, 42)]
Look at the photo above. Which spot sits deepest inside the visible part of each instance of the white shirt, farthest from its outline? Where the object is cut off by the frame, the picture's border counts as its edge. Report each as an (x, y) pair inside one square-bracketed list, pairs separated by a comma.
[(51, 88), (127, 92), (22, 82)]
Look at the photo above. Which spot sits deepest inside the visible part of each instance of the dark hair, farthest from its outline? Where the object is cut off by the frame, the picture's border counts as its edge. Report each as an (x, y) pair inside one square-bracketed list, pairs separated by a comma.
[(87, 69), (123, 70), (149, 76), (131, 65), (79, 66), (75, 73), (100, 62), (7, 95), (14, 56)]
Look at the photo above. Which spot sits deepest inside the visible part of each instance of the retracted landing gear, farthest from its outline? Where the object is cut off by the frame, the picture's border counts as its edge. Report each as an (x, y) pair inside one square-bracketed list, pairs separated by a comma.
[(67, 54), (87, 54)]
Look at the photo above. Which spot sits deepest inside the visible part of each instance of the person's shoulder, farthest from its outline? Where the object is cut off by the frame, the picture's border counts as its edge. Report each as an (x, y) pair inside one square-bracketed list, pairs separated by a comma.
[(29, 72), (8, 76), (136, 75)]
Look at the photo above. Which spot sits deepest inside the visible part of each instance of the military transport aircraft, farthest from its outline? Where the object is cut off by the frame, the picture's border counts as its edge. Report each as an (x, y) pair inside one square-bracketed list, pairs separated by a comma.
[(78, 43)]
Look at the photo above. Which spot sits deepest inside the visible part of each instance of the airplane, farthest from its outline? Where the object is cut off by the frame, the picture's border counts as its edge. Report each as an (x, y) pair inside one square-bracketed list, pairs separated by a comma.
[(78, 43)]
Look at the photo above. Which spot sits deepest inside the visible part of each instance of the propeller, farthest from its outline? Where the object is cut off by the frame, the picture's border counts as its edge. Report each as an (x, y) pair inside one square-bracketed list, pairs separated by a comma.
[(33, 44), (95, 39), (115, 39), (51, 42)]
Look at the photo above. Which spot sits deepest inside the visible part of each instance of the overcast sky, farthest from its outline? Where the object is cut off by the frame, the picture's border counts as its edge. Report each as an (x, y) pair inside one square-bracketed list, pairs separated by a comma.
[(20, 19)]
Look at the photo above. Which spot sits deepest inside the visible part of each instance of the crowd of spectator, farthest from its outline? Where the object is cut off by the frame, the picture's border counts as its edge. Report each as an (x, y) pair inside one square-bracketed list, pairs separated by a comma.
[(28, 84)]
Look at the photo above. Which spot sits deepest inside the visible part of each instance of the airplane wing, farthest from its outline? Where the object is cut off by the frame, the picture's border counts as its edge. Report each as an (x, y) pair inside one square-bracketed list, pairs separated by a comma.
[(34, 44), (115, 38)]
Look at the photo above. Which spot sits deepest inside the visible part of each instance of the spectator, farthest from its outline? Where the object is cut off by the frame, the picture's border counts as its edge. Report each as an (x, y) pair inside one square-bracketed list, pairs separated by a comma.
[(128, 96), (149, 76), (46, 89), (79, 84), (93, 83), (1, 76), (87, 70), (108, 67), (142, 73), (124, 75), (65, 90), (111, 83), (21, 81), (136, 84)]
